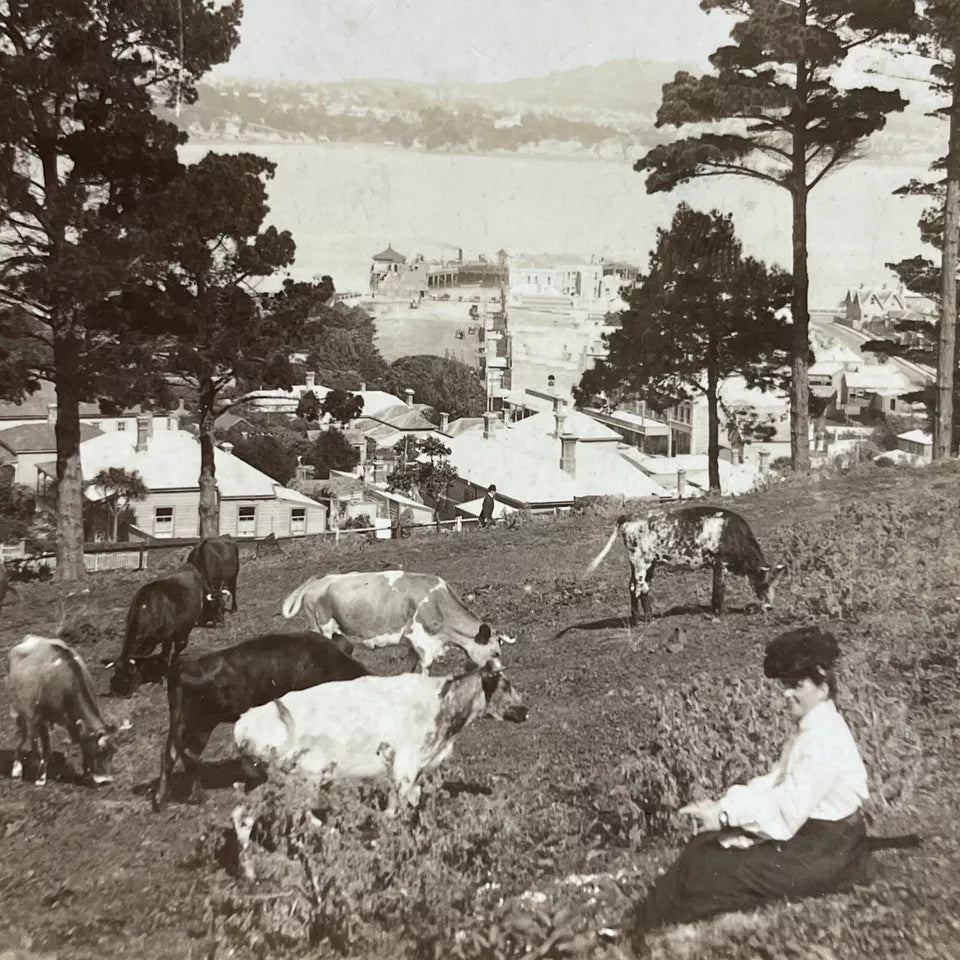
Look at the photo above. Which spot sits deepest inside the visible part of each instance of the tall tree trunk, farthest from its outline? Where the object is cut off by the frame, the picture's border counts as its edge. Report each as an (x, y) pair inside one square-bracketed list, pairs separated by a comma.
[(713, 415), (209, 501), (69, 477), (946, 348)]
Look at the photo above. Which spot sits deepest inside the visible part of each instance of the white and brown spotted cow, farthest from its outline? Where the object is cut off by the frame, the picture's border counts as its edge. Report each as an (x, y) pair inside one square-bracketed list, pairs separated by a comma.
[(386, 608), (691, 537)]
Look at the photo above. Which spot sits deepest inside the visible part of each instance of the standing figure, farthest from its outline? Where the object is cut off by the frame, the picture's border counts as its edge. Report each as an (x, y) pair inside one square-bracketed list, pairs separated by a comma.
[(486, 509)]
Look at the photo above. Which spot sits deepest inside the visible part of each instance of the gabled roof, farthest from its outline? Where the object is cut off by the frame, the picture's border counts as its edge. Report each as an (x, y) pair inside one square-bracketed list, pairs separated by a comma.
[(456, 427), (878, 378), (916, 436), (402, 417), (389, 256), (575, 424), (39, 437), (35, 406)]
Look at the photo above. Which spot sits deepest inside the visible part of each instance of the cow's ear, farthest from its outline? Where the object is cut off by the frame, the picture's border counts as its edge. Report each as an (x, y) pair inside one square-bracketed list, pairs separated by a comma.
[(483, 634)]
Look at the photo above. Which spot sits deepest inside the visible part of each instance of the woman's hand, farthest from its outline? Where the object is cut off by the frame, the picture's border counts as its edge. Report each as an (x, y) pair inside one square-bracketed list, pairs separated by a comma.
[(706, 813)]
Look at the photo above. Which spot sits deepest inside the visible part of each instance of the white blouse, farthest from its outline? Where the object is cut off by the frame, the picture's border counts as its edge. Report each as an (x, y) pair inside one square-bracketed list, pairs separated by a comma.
[(819, 775)]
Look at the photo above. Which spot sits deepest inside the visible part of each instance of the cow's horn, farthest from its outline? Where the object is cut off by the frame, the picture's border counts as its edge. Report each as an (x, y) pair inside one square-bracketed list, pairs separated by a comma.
[(106, 662)]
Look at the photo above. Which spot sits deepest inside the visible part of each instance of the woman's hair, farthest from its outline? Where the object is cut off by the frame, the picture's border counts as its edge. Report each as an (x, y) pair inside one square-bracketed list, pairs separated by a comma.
[(807, 653)]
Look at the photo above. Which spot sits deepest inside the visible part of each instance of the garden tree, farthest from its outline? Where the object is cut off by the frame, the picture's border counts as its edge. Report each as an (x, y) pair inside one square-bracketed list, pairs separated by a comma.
[(341, 405), (786, 123), (308, 407), (120, 488), (330, 451), (17, 507), (703, 312), (745, 426), (445, 384), (213, 244), (269, 454), (80, 150), (423, 466)]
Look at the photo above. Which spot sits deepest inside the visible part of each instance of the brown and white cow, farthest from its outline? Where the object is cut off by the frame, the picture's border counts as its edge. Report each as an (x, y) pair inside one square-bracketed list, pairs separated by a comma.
[(691, 537), (383, 609), (48, 684), (397, 727)]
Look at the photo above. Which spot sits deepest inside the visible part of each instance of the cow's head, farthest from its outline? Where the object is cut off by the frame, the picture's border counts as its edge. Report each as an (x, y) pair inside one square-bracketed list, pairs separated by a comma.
[(214, 603), (485, 647), (127, 676), (503, 701), (764, 581), (98, 747)]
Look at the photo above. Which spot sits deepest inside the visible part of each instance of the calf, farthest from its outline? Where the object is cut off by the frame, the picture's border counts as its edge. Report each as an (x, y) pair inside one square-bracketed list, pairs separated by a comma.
[(220, 686), (218, 560), (384, 609), (691, 537), (399, 726), (48, 684), (163, 612)]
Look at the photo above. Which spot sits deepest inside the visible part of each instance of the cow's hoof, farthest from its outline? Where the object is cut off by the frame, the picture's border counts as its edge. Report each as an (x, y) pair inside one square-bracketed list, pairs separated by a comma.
[(16, 771)]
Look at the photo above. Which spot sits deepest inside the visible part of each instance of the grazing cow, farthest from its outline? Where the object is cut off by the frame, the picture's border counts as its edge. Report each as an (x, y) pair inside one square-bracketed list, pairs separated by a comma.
[(48, 684), (5, 585), (220, 686), (691, 537), (399, 727), (383, 609), (218, 560), (163, 612)]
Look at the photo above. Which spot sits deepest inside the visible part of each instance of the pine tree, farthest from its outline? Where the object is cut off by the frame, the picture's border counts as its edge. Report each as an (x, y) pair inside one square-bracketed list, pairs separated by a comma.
[(794, 126)]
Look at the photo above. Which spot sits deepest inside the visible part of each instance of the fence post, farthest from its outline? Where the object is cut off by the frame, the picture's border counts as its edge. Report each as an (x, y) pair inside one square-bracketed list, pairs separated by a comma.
[(458, 526), (336, 535), (681, 483), (142, 562)]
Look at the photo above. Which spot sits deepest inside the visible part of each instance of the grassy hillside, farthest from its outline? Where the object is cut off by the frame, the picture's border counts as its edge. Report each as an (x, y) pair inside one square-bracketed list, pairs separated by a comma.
[(537, 835)]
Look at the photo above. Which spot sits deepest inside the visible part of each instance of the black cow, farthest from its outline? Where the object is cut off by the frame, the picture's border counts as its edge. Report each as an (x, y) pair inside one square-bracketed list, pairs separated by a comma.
[(218, 560), (218, 687), (163, 612), (692, 537)]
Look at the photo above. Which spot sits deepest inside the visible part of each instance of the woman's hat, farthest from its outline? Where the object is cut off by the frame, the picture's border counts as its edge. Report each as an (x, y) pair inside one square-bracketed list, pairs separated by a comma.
[(805, 652)]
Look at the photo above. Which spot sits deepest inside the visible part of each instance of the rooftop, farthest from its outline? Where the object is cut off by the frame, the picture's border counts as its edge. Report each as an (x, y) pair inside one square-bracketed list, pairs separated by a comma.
[(39, 437)]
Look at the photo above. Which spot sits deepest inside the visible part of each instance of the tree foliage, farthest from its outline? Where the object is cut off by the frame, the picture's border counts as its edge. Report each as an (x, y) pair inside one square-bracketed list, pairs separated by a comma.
[(308, 407), (82, 155), (786, 123), (330, 451), (423, 467), (448, 386), (120, 488), (17, 506), (703, 312), (341, 405), (269, 454)]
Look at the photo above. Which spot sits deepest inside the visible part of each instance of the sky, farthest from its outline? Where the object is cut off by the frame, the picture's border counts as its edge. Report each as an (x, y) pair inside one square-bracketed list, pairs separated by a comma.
[(480, 41)]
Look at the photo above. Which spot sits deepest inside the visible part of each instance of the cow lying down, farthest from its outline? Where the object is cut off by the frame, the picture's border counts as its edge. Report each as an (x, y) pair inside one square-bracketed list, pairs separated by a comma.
[(48, 684), (692, 537), (397, 727)]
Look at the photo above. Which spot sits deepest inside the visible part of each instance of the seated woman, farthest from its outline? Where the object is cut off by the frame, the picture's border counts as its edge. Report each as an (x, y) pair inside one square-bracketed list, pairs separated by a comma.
[(795, 832)]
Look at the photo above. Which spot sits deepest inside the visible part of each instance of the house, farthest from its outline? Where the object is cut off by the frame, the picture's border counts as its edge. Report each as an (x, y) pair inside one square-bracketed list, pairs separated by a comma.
[(824, 378), (168, 459), (864, 306), (554, 279), (41, 407), (25, 447), (545, 465), (878, 388), (919, 443), (688, 474)]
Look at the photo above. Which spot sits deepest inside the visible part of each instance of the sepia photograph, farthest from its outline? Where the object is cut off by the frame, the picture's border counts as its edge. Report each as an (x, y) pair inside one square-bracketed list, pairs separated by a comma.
[(479, 481)]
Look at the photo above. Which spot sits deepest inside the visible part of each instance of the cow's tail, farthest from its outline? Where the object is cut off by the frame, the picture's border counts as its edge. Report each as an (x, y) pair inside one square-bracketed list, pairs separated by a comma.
[(598, 559), (293, 602)]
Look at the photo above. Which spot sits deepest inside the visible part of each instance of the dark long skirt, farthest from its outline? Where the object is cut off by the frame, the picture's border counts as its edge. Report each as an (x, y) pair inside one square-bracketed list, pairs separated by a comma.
[(822, 857)]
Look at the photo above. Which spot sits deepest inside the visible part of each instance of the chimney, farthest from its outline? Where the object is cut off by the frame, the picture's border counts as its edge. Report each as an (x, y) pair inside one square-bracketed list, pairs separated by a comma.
[(568, 454), (559, 416), (459, 254), (144, 431), (488, 419), (226, 446), (304, 471), (311, 379), (764, 460), (408, 393), (444, 422), (51, 413), (173, 423), (363, 387)]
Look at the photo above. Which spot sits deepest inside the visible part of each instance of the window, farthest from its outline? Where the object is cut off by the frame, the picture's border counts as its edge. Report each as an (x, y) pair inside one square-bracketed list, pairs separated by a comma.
[(163, 522), (551, 381), (298, 521), (121, 424), (246, 521)]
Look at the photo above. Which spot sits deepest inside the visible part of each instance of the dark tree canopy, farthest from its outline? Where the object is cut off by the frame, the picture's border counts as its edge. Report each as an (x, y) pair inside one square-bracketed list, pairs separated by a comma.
[(448, 386), (702, 313), (786, 122), (330, 451), (82, 156), (341, 405)]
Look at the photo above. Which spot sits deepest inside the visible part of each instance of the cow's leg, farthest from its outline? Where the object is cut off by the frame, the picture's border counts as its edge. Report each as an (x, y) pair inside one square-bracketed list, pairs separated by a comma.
[(634, 596), (719, 588), (232, 586), (16, 771), (44, 732), (416, 662), (194, 743), (645, 593)]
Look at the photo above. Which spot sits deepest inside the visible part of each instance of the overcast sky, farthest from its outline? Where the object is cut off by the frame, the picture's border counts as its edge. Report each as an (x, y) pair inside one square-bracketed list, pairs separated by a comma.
[(467, 40)]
